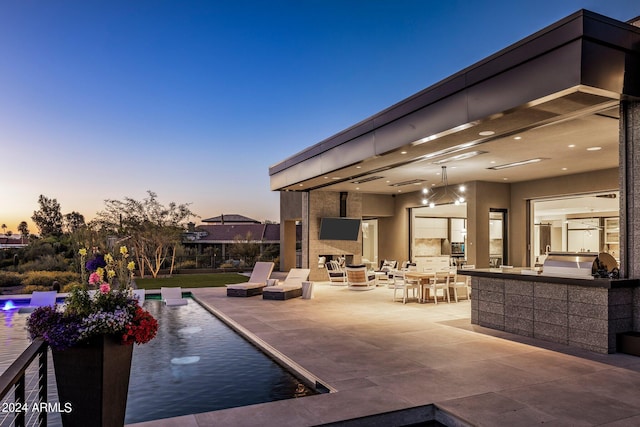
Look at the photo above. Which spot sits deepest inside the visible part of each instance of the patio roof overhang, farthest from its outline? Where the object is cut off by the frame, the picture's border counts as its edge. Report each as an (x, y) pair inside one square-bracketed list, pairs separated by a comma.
[(558, 87)]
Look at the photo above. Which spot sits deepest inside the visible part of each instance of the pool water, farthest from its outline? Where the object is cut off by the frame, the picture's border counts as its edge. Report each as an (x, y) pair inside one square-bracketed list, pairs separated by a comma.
[(195, 364)]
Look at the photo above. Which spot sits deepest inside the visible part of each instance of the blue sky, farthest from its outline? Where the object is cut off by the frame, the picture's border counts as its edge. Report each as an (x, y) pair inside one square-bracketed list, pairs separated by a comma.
[(196, 99)]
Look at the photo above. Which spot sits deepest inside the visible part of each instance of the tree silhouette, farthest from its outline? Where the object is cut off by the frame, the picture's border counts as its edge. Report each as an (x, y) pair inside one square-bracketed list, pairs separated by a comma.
[(48, 218)]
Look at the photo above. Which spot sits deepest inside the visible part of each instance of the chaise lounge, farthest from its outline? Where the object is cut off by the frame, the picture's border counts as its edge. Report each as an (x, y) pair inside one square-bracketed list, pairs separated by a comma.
[(172, 296), (257, 281), (291, 287)]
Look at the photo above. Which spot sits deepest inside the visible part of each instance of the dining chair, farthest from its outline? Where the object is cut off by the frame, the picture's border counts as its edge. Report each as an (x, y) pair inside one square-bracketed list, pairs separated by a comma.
[(460, 283), (400, 282), (440, 282)]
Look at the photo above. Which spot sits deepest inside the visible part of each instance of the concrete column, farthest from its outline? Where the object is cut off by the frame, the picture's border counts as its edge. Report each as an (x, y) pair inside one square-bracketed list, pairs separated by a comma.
[(305, 230), (630, 189)]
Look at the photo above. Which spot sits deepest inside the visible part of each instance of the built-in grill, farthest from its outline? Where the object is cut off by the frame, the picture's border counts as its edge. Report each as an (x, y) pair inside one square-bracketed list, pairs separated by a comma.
[(568, 264), (579, 265)]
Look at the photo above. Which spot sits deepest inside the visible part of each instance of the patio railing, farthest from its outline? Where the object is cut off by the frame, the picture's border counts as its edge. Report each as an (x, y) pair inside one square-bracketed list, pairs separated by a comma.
[(25, 406)]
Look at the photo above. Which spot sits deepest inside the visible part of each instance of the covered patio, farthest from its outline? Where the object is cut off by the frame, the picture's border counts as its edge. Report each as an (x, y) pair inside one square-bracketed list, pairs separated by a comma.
[(380, 356)]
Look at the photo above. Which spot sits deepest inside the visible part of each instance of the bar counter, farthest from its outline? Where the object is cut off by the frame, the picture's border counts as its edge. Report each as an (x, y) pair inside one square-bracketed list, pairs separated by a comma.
[(577, 312)]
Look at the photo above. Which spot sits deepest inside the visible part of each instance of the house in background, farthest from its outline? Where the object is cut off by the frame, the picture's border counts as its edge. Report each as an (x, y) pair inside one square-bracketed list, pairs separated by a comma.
[(219, 234), (13, 241)]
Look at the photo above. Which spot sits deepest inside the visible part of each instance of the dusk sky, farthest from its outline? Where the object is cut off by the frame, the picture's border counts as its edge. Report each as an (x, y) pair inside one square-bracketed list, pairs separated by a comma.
[(194, 100)]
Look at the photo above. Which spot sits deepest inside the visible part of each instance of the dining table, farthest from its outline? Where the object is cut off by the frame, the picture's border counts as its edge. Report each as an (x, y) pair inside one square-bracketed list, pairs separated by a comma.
[(425, 280)]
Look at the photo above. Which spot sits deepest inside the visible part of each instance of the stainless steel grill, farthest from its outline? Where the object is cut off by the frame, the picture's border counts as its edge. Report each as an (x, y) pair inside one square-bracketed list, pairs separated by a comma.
[(568, 264)]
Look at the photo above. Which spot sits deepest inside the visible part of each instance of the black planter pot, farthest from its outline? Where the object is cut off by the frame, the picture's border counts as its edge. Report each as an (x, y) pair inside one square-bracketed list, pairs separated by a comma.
[(93, 378)]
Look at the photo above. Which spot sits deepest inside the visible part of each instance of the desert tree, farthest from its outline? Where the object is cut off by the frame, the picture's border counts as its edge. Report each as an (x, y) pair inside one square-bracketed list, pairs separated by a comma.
[(73, 221), (48, 218), (152, 229)]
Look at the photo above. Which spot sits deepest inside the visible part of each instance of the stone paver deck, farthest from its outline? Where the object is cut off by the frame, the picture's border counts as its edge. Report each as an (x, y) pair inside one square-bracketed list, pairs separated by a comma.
[(384, 356)]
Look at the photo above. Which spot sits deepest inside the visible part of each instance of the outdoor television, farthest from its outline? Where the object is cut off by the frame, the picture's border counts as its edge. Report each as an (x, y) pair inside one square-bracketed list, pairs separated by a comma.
[(339, 228)]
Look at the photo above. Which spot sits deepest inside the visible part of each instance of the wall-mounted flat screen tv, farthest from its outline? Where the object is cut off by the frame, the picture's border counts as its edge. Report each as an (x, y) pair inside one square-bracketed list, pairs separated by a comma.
[(339, 228)]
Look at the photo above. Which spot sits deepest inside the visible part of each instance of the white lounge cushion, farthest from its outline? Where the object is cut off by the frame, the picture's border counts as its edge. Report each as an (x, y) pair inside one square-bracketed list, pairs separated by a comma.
[(282, 288), (176, 301), (246, 285)]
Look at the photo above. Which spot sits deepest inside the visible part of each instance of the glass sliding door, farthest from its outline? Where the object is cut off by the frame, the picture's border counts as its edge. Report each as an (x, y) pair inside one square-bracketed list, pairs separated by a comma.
[(370, 243)]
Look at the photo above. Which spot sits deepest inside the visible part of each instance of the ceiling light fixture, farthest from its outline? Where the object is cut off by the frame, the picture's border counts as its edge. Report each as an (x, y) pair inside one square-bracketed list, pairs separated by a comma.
[(443, 195), (462, 156), (520, 163), (412, 181), (368, 179)]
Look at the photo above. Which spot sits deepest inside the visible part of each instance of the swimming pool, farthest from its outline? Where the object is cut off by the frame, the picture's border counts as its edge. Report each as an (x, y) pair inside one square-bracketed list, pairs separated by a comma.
[(195, 364)]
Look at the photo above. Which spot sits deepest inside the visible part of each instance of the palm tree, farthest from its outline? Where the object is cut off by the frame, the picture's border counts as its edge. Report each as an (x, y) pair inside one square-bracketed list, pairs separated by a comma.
[(4, 228), (23, 228)]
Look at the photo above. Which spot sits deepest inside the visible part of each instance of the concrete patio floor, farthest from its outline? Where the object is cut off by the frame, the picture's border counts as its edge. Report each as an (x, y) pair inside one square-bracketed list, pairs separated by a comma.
[(382, 356)]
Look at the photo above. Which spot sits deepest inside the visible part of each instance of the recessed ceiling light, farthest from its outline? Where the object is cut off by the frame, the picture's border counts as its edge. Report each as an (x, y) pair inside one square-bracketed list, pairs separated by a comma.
[(326, 177), (357, 188), (358, 167), (594, 148), (572, 145), (564, 169), (403, 152), (517, 138), (493, 162), (486, 133), (299, 185), (505, 179), (335, 178)]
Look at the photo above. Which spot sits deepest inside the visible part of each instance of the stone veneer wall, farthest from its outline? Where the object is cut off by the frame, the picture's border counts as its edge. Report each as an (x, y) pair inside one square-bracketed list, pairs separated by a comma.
[(630, 197), (327, 204), (578, 316)]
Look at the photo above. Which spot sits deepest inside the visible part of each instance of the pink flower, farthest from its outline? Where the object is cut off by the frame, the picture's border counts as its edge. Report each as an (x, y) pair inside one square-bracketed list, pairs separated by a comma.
[(95, 279), (105, 288)]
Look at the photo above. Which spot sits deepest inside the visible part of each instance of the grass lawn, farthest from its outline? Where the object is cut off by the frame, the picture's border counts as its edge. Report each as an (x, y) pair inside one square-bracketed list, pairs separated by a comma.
[(192, 280)]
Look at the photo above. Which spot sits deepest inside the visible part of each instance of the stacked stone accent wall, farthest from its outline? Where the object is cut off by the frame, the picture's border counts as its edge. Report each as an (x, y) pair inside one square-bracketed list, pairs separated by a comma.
[(327, 204), (630, 197)]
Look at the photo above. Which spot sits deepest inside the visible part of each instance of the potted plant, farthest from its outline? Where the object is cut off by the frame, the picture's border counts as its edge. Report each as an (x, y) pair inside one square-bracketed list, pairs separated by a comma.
[(91, 337)]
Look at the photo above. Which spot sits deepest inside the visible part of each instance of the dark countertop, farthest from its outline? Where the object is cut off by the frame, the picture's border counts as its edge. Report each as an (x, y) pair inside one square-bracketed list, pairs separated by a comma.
[(516, 274)]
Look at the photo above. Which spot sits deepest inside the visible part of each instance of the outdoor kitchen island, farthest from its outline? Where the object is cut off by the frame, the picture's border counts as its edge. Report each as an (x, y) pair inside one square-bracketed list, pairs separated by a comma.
[(584, 313)]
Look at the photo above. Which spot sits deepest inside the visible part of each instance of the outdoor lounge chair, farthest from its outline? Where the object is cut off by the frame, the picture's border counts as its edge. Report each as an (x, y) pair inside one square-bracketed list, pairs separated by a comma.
[(172, 296), (40, 299), (290, 287), (257, 281), (359, 279), (336, 273)]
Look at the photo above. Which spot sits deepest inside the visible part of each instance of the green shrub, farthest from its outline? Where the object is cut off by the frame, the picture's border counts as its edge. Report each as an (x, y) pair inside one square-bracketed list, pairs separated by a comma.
[(46, 278), (186, 264), (46, 263), (69, 286), (9, 278)]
